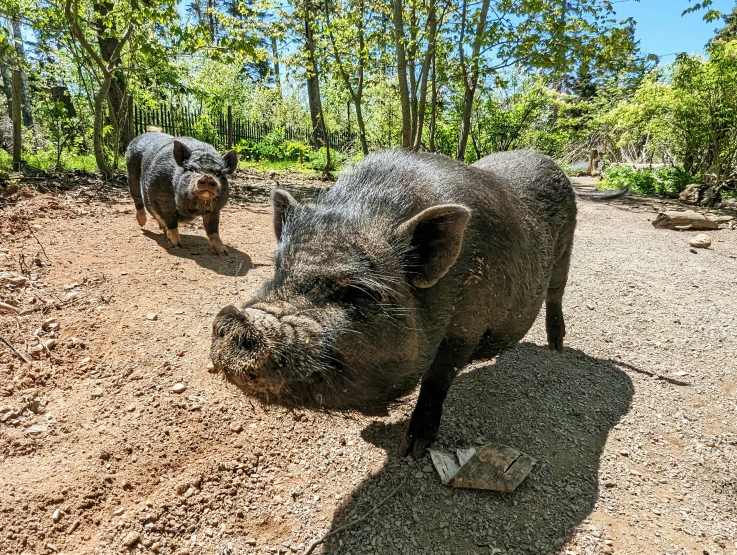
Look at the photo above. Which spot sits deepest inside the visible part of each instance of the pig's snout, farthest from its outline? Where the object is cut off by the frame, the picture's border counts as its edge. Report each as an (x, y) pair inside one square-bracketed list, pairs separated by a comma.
[(206, 187), (241, 331)]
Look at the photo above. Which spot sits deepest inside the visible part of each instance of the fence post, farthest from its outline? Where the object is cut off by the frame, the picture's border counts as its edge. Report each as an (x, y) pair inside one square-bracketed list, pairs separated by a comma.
[(17, 137), (230, 127)]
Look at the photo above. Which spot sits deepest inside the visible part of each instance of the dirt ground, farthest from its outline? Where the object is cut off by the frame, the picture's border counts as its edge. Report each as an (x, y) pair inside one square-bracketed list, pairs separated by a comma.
[(117, 439)]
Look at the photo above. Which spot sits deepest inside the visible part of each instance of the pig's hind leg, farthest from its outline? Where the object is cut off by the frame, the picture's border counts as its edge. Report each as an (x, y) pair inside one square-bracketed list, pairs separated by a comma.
[(134, 184), (452, 355), (554, 324)]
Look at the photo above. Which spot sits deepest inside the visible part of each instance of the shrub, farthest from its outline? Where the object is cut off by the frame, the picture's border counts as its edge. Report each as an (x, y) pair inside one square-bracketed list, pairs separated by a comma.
[(641, 182), (672, 179), (319, 159), (274, 148)]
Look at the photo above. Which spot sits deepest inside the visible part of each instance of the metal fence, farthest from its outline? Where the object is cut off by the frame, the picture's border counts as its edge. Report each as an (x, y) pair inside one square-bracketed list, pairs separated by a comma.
[(224, 130)]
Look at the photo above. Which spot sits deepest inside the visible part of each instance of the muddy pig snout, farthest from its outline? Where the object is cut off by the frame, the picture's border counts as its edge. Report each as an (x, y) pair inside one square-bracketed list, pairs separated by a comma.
[(243, 330), (242, 326), (206, 187)]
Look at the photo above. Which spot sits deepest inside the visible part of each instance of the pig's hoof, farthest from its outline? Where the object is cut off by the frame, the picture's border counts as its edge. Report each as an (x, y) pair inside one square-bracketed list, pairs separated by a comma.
[(555, 343), (219, 249), (141, 217), (174, 239), (415, 446)]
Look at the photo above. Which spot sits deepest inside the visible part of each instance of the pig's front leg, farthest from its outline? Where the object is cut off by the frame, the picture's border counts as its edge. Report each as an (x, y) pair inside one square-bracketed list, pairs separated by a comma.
[(452, 355), (211, 222)]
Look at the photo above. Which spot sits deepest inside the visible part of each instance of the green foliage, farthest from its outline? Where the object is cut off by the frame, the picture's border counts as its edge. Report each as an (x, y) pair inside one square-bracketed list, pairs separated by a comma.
[(639, 181), (645, 181), (205, 131), (672, 179), (319, 160), (274, 148)]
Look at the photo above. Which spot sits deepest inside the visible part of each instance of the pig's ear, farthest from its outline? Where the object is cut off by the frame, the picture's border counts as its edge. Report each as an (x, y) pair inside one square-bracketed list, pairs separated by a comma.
[(181, 153), (230, 159), (435, 236), (283, 204)]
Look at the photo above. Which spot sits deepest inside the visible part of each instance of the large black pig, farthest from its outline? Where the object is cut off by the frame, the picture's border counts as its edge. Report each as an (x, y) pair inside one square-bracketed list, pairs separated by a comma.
[(411, 266), (178, 179)]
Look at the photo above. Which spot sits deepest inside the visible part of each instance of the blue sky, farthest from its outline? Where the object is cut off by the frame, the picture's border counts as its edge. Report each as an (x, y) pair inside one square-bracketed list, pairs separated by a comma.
[(661, 30)]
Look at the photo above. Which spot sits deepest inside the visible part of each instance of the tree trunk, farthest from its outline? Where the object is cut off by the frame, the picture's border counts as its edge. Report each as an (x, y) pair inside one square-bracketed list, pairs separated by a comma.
[(7, 88), (433, 106), (465, 121), (361, 128), (275, 60), (471, 79), (25, 93), (313, 83), (17, 136), (398, 9), (432, 24), (100, 98), (118, 93)]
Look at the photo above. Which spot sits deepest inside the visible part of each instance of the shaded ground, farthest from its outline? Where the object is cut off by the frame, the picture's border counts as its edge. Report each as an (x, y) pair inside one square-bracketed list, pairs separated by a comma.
[(634, 426)]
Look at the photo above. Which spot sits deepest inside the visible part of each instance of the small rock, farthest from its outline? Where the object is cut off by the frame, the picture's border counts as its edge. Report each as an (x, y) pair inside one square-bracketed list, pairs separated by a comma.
[(182, 488), (178, 388), (35, 430), (237, 427), (131, 539), (152, 316), (427, 469), (97, 393), (251, 542), (210, 367), (118, 512), (590, 306), (701, 241), (13, 279), (48, 323), (56, 516)]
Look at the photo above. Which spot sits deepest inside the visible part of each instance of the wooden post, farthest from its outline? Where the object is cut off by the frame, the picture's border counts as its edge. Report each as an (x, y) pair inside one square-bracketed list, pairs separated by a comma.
[(593, 161), (17, 137), (348, 107), (230, 127)]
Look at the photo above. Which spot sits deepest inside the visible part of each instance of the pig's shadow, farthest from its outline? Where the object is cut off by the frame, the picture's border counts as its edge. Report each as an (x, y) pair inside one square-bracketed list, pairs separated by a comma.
[(197, 248), (558, 408)]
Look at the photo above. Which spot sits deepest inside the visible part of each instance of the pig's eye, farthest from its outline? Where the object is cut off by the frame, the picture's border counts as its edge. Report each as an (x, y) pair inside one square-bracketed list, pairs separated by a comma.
[(353, 295)]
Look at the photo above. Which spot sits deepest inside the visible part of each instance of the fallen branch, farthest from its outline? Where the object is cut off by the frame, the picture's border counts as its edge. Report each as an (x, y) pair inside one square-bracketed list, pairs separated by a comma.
[(363, 517), (23, 357), (39, 242), (688, 220)]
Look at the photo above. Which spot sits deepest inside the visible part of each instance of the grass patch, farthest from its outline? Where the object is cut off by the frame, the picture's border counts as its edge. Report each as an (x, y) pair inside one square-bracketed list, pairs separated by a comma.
[(45, 161)]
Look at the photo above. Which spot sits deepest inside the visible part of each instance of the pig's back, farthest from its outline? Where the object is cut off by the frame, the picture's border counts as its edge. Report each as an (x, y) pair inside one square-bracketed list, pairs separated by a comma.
[(144, 148), (539, 182), (501, 277)]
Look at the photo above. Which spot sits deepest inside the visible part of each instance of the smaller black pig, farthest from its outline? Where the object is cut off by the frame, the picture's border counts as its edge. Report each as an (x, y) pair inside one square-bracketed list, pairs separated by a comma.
[(178, 179)]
